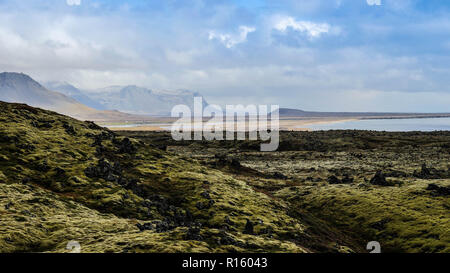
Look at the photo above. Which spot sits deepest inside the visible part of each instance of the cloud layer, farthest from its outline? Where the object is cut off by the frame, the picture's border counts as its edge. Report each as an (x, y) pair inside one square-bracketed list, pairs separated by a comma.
[(374, 2), (310, 29), (315, 54), (230, 40), (73, 2)]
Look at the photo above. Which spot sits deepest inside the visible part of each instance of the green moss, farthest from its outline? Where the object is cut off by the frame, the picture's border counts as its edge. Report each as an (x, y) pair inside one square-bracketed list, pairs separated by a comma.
[(55, 201), (405, 219), (48, 197)]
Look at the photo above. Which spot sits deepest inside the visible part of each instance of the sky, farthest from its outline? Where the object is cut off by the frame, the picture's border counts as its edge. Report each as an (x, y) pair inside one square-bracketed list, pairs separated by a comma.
[(323, 55)]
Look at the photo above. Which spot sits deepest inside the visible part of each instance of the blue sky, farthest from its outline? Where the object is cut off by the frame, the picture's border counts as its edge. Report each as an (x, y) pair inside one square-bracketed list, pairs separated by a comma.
[(330, 55)]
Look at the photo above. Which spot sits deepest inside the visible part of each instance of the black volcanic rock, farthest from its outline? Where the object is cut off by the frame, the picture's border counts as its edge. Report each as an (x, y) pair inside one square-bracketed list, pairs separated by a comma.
[(249, 227), (333, 180), (379, 179), (438, 190), (431, 173)]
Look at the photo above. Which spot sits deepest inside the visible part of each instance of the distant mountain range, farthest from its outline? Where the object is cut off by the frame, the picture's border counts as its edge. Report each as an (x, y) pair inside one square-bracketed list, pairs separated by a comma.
[(116, 103), (73, 92), (139, 100), (129, 99), (131, 103), (21, 88)]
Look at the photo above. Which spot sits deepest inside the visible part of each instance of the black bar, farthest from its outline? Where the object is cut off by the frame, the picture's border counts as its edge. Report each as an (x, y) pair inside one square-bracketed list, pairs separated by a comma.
[(149, 263)]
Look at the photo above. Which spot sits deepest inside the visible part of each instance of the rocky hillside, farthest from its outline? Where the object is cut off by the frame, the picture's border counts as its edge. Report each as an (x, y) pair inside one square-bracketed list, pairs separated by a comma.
[(16, 87), (389, 187), (62, 179)]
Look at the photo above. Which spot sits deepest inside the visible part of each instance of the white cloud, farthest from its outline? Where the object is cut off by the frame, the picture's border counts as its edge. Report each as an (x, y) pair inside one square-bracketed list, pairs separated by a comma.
[(73, 2), (230, 40), (374, 2), (311, 29)]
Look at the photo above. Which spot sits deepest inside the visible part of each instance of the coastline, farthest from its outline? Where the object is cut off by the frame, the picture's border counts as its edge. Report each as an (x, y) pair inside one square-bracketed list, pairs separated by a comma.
[(285, 125), (297, 125)]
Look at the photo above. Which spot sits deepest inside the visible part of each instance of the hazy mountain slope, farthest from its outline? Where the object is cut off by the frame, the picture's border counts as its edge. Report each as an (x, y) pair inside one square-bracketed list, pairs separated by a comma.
[(21, 88), (73, 92), (139, 100), (15, 87), (62, 179)]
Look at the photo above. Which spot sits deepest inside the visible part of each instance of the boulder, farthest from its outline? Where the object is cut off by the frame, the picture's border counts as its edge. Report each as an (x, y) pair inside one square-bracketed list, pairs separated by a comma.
[(193, 234), (249, 227), (438, 190), (333, 180), (379, 179), (69, 129), (125, 146)]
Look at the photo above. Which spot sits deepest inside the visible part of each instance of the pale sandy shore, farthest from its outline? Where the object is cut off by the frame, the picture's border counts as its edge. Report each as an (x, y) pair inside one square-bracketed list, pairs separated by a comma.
[(286, 124), (139, 128), (303, 125)]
